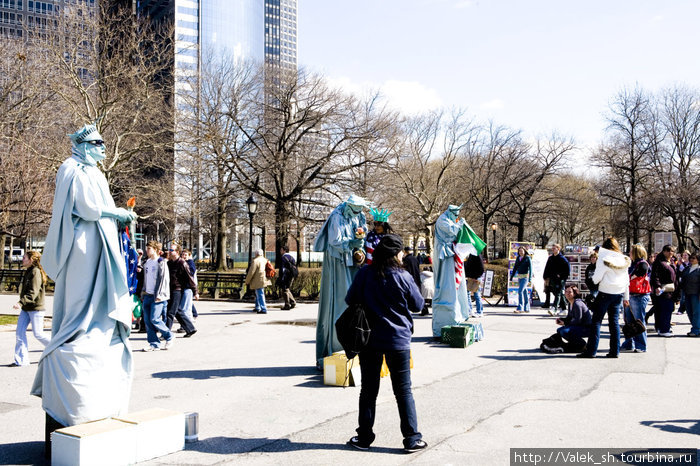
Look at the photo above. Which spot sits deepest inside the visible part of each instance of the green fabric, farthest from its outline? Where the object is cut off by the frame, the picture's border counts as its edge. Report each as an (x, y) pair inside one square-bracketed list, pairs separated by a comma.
[(31, 290)]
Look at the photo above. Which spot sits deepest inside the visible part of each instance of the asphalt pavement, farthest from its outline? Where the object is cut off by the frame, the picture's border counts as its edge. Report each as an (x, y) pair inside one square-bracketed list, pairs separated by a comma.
[(260, 399)]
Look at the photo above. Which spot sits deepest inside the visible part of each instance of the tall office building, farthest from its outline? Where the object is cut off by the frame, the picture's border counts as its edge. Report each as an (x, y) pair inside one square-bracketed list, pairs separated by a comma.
[(263, 31)]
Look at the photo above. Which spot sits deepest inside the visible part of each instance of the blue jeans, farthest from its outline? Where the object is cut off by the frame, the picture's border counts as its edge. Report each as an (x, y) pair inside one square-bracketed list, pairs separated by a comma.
[(21, 346), (174, 312), (692, 307), (574, 334), (612, 305), (153, 317), (478, 303), (398, 363), (637, 310), (260, 300), (524, 295)]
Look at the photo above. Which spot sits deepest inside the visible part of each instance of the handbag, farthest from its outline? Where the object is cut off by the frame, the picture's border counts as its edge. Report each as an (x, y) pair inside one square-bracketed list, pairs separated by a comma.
[(640, 285), (353, 330), (473, 285), (269, 270), (634, 328), (668, 288)]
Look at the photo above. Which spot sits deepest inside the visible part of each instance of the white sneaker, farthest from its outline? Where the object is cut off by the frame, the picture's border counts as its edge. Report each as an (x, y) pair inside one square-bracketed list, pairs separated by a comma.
[(169, 343), (667, 334), (552, 312), (150, 349)]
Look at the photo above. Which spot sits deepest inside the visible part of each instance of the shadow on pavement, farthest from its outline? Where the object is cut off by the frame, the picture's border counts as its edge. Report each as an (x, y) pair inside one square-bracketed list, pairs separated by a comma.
[(232, 445), (203, 374), (23, 453), (522, 355), (692, 426)]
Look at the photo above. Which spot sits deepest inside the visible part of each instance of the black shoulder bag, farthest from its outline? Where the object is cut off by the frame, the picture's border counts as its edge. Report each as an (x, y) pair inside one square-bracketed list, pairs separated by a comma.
[(352, 329)]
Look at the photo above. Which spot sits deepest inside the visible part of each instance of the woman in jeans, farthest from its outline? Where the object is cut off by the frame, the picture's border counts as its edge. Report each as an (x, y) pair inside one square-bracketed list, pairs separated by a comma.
[(31, 301), (613, 289), (522, 271), (389, 295), (639, 298), (663, 285)]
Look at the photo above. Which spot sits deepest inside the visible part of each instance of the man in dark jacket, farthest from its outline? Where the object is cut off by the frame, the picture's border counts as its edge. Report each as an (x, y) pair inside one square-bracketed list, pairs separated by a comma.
[(288, 271), (180, 281), (556, 271)]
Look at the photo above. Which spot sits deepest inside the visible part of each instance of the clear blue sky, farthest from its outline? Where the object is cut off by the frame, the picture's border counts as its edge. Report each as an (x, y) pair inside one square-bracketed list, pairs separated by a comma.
[(536, 65)]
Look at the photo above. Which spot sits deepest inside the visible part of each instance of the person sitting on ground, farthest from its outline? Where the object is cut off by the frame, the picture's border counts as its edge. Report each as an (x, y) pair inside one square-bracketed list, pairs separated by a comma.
[(389, 295), (574, 327)]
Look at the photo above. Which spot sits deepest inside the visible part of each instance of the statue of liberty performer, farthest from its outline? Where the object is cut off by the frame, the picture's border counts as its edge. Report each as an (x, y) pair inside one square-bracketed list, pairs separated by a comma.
[(344, 230), (450, 301), (85, 372)]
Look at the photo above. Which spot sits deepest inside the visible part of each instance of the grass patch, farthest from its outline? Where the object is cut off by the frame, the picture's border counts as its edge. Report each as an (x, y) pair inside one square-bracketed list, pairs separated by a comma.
[(8, 319)]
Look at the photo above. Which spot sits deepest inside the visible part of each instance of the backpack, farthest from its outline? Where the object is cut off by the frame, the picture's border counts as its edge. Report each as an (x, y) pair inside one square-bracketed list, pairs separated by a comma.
[(269, 270), (293, 267), (352, 329)]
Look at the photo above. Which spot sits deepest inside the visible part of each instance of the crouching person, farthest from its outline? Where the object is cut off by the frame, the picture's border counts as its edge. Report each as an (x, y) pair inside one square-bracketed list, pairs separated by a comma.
[(574, 327)]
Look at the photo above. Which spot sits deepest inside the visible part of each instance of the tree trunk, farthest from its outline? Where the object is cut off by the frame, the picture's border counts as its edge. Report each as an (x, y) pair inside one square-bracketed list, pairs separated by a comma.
[(282, 217), (3, 238), (428, 241), (221, 236)]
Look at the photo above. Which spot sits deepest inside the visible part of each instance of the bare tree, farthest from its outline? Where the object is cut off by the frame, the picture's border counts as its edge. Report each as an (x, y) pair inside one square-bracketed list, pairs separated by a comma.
[(112, 68), (25, 182), (491, 168), (424, 178), (677, 174), (299, 138), (626, 156), (541, 163)]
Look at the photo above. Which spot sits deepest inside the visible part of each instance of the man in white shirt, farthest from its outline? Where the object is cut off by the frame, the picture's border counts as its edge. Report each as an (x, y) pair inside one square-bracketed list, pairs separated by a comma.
[(156, 293)]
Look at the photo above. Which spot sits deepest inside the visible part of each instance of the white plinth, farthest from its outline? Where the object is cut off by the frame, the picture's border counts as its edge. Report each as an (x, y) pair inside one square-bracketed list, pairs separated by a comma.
[(105, 442)]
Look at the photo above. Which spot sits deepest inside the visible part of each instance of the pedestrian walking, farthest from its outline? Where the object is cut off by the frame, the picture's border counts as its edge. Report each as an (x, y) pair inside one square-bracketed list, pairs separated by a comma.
[(256, 280), (31, 302)]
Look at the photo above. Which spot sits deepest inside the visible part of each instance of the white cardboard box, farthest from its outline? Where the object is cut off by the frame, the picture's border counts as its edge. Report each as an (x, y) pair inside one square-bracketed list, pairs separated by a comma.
[(158, 432), (105, 442)]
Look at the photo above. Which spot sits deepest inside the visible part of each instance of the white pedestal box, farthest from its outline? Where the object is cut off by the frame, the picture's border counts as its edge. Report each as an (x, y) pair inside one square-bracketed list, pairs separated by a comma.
[(158, 432), (99, 443)]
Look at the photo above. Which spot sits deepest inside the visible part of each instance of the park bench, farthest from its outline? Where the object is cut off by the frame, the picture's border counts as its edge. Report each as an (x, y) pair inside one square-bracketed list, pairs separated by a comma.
[(11, 278), (216, 282)]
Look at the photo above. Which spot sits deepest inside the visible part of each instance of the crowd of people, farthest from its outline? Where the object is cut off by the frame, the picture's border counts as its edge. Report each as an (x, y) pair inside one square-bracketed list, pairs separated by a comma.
[(621, 285), (167, 288)]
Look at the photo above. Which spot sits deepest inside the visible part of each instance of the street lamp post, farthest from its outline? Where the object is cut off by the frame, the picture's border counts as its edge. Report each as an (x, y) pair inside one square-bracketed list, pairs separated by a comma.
[(494, 227), (252, 205)]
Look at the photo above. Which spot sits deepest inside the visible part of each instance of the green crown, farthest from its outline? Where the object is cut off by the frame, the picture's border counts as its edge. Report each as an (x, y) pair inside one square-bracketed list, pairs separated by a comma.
[(380, 215)]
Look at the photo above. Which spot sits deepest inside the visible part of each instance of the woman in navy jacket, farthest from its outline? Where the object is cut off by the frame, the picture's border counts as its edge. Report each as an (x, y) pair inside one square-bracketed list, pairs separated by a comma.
[(389, 295)]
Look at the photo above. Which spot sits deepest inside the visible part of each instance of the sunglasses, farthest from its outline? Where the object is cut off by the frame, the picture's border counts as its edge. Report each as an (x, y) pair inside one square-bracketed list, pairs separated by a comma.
[(172, 250), (96, 143)]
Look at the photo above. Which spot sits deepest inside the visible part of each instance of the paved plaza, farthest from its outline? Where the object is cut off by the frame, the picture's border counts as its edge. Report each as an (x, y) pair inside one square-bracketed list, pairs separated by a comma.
[(260, 399)]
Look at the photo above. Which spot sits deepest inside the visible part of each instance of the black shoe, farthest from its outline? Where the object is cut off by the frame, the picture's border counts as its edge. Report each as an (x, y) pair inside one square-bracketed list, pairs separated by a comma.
[(189, 334), (611, 355), (418, 446), (293, 305), (355, 443), (286, 308), (585, 355)]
